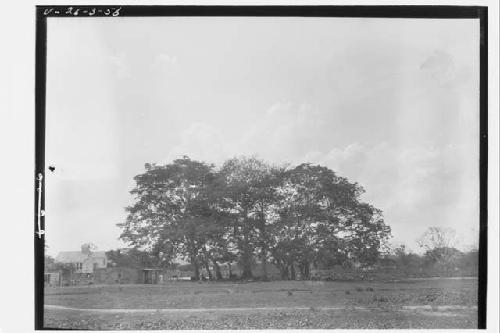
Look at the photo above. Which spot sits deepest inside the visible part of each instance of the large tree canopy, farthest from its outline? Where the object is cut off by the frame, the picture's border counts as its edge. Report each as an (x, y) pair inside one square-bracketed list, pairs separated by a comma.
[(172, 214), (248, 211), (323, 222)]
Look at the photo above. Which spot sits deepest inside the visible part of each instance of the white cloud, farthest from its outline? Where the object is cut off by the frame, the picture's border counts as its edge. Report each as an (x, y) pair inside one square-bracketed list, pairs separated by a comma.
[(285, 130)]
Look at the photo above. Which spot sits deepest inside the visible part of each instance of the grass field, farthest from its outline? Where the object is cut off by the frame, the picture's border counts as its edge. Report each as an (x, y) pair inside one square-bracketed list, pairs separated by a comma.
[(434, 303)]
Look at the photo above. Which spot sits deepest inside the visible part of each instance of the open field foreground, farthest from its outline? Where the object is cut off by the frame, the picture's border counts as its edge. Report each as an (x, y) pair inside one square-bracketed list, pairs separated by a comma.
[(443, 303)]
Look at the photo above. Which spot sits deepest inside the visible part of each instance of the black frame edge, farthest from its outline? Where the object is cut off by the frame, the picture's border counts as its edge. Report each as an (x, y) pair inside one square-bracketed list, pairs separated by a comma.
[(40, 80), (372, 11), (483, 169)]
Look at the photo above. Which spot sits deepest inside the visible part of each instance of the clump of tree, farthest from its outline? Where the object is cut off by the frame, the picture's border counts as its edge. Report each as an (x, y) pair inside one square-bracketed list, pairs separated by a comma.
[(49, 263), (250, 211), (133, 257), (441, 253), (440, 246), (440, 256), (66, 269)]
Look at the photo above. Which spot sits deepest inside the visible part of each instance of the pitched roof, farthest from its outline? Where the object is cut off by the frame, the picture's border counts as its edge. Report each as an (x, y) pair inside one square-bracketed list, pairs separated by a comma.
[(77, 256)]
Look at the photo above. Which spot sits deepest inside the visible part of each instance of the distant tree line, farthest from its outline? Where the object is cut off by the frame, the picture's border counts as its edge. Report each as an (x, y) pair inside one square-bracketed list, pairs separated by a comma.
[(440, 257), (410, 264), (249, 211)]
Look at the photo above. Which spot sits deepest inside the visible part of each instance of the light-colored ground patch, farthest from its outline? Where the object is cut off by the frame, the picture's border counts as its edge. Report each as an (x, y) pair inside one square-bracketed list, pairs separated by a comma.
[(421, 308)]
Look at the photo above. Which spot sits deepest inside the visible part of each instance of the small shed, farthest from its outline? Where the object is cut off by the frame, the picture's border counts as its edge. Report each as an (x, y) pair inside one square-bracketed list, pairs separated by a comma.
[(150, 275), (52, 279)]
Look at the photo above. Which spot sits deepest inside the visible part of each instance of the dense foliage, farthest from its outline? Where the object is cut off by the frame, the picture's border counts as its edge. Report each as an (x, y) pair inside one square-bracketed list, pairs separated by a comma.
[(247, 211), (438, 261)]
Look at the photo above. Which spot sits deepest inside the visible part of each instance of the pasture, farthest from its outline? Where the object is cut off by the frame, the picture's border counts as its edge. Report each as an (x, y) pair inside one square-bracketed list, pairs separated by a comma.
[(431, 303)]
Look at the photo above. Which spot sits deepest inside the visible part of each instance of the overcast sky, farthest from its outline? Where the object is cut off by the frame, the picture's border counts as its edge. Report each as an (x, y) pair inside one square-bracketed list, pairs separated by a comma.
[(390, 103)]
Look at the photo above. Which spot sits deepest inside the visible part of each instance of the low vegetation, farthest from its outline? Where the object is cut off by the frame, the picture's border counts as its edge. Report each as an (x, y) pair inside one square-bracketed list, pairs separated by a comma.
[(356, 304)]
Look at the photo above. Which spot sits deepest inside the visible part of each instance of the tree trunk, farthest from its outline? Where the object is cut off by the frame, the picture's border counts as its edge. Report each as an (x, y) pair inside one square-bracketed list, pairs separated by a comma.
[(306, 273), (246, 263), (247, 253), (293, 275), (247, 269), (284, 271), (194, 262), (264, 263), (207, 267), (218, 273), (263, 253)]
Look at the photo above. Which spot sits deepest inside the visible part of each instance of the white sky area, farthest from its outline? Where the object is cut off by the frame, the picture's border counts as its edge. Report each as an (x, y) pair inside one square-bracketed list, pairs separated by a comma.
[(390, 103)]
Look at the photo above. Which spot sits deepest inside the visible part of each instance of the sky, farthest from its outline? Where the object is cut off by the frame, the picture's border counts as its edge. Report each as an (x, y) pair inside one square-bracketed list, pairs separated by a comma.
[(392, 104)]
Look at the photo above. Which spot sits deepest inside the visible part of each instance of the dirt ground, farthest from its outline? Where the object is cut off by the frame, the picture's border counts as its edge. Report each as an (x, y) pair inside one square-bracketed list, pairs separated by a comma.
[(436, 303)]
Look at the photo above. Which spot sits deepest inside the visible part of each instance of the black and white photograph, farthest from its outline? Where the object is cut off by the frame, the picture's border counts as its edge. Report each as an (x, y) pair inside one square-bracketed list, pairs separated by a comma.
[(260, 169)]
